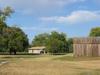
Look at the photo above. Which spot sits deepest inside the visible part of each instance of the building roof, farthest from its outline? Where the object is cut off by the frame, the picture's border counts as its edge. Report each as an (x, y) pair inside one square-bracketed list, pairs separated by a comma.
[(37, 48)]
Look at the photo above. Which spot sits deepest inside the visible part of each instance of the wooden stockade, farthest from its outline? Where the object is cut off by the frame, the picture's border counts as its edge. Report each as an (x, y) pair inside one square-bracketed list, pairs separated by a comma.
[(86, 46)]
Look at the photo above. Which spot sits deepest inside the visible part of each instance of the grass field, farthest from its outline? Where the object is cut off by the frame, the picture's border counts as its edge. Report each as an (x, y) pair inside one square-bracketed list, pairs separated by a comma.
[(48, 65)]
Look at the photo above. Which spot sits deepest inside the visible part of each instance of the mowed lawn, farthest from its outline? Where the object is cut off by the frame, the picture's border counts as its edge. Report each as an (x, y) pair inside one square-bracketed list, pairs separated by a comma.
[(48, 65)]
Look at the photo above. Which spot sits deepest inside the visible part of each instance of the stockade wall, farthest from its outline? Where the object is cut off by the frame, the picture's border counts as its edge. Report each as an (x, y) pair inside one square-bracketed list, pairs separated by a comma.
[(86, 46)]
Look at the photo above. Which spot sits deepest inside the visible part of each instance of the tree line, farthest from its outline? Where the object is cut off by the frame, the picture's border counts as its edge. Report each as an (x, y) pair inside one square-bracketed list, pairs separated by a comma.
[(13, 38), (54, 42)]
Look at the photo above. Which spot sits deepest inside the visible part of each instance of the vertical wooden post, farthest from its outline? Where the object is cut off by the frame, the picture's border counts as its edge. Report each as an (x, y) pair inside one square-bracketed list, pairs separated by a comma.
[(86, 46)]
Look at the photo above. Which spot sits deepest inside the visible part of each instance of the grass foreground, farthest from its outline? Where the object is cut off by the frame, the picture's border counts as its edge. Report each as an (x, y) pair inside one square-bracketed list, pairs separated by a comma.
[(48, 65)]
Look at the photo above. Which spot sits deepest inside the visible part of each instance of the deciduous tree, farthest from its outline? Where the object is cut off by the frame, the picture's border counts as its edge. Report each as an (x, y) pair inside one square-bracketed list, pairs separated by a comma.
[(95, 32)]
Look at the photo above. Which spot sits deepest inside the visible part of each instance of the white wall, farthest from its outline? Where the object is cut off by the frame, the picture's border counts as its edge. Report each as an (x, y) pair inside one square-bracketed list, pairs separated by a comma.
[(35, 51), (30, 51)]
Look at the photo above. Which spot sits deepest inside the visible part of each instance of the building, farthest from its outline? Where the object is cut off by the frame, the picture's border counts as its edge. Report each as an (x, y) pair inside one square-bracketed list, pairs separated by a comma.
[(37, 50), (86, 46)]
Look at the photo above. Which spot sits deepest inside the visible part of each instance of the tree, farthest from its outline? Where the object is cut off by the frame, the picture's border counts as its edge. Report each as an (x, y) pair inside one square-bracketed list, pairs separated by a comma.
[(17, 39), (55, 42), (95, 32), (12, 38), (70, 45), (40, 40), (6, 12)]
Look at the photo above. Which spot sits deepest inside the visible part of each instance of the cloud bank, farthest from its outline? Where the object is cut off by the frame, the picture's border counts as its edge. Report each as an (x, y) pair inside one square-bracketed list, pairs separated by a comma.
[(75, 17), (31, 6), (38, 3)]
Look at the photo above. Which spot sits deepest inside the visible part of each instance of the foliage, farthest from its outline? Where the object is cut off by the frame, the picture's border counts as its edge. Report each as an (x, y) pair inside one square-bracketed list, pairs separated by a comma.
[(95, 32), (17, 39), (6, 12), (70, 45), (40, 40), (55, 42), (11, 37)]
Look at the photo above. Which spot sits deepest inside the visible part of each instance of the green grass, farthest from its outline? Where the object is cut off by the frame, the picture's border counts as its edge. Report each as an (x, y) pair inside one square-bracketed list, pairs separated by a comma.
[(90, 73), (70, 57)]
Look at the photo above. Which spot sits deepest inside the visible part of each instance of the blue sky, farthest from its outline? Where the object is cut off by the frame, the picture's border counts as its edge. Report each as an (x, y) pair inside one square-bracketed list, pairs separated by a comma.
[(73, 17)]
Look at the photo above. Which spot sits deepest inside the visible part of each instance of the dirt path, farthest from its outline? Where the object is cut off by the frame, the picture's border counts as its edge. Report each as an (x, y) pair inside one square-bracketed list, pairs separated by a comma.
[(3, 62)]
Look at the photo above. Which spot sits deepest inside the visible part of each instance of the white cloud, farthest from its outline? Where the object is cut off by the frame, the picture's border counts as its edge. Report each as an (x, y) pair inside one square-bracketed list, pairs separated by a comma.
[(38, 2), (75, 17), (37, 5)]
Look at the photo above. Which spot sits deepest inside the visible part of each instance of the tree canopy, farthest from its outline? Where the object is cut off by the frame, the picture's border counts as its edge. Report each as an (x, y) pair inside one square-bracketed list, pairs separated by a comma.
[(70, 45), (95, 32), (6, 12), (40, 40), (55, 42), (11, 37)]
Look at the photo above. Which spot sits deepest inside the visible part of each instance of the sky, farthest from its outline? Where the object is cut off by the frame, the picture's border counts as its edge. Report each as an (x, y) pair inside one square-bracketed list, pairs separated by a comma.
[(73, 17)]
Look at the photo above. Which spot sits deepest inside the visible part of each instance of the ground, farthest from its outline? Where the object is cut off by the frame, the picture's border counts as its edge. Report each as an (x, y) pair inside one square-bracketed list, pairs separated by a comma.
[(48, 65)]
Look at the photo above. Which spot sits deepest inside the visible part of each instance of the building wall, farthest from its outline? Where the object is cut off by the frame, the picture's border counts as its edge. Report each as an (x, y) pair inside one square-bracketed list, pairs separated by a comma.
[(86, 47), (30, 51), (35, 51)]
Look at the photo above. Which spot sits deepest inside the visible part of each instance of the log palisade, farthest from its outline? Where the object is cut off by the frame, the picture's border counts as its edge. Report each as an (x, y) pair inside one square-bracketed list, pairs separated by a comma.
[(86, 46)]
